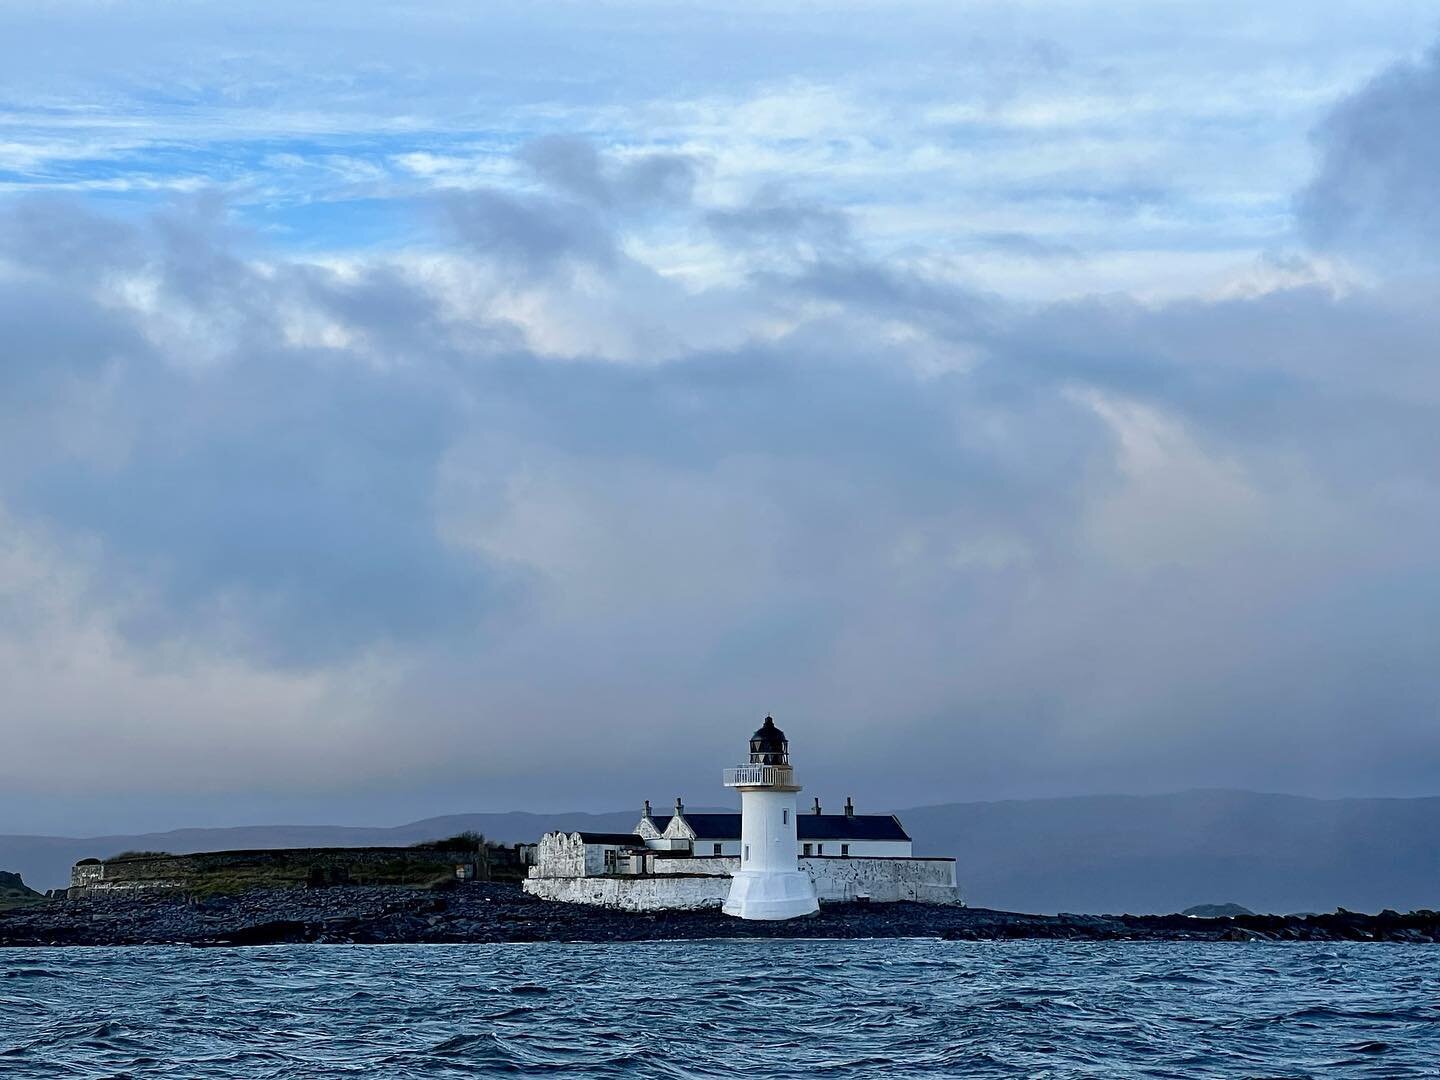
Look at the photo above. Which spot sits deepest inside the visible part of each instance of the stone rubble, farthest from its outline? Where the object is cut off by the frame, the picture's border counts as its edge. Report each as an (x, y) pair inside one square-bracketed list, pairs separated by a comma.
[(495, 912)]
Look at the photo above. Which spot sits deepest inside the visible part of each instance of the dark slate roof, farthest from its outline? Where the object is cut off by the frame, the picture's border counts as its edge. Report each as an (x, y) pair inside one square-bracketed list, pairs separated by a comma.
[(659, 822), (848, 827), (714, 826), (809, 826), (613, 839)]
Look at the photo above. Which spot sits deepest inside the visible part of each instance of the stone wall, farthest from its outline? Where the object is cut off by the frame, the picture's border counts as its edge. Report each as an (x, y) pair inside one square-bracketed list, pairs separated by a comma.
[(848, 877), (705, 882), (701, 866), (668, 892), (277, 866), (89, 872), (566, 855), (559, 855), (930, 881)]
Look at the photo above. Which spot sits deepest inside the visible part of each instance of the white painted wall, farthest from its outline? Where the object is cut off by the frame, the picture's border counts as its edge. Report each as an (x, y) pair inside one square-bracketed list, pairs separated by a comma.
[(930, 881), (692, 883), (721, 867), (678, 829), (566, 855), (634, 894), (728, 848), (885, 849)]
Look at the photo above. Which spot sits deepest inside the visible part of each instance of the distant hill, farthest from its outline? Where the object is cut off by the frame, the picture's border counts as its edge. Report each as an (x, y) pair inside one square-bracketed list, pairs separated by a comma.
[(1102, 854), (1164, 853)]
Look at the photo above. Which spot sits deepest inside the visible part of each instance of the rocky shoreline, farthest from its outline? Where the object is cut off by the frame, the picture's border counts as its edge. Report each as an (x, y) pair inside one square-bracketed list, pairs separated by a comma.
[(502, 913)]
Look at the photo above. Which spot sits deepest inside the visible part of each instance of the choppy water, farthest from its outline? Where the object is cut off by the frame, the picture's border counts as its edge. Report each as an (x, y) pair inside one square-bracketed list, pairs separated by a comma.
[(725, 1008)]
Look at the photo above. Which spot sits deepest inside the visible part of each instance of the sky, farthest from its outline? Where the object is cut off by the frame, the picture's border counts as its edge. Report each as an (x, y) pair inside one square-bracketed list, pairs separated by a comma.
[(416, 408)]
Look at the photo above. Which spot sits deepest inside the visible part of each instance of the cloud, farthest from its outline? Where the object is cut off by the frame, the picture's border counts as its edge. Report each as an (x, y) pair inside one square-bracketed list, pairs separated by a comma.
[(588, 204), (1374, 194), (574, 165), (327, 131), (534, 235), (527, 509), (781, 222), (273, 496), (1027, 246)]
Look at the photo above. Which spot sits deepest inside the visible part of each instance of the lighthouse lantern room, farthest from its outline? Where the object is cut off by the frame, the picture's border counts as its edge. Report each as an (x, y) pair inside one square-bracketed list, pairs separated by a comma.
[(769, 883)]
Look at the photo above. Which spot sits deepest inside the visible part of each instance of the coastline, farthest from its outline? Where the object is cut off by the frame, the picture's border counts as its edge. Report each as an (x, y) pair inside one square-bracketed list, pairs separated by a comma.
[(497, 913)]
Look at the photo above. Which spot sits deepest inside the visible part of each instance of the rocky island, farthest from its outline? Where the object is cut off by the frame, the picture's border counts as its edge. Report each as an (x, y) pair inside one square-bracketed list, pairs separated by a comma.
[(14, 892), (500, 912)]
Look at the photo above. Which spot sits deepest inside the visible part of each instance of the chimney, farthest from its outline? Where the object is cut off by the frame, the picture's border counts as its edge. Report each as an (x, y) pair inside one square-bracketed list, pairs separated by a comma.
[(646, 815), (817, 805), (849, 807), (679, 807)]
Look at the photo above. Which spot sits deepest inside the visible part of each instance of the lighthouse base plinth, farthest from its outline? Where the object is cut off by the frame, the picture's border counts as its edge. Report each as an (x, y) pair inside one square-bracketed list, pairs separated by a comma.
[(771, 895)]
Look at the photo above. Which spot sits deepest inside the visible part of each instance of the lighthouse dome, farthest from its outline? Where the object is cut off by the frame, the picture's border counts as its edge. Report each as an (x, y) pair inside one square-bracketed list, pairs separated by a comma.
[(768, 746)]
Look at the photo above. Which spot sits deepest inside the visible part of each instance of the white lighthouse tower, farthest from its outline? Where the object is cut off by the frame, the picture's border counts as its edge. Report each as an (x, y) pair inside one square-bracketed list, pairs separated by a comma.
[(769, 883)]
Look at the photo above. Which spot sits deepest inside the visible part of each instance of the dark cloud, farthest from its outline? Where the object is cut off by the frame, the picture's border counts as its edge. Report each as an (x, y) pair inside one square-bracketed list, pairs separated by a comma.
[(277, 499), (576, 167), (588, 202), (782, 223), (1375, 194), (861, 285), (536, 235), (987, 548)]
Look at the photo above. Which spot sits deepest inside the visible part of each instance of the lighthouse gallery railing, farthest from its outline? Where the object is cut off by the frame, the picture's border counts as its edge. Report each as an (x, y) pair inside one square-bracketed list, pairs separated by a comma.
[(758, 775)]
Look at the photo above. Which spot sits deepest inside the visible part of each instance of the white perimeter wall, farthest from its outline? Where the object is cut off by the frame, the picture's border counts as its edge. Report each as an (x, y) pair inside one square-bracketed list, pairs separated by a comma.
[(930, 881), (722, 867), (634, 894), (694, 883)]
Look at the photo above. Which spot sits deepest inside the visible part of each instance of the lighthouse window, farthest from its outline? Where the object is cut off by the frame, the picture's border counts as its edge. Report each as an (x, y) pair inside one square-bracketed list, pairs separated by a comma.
[(784, 817), (747, 852)]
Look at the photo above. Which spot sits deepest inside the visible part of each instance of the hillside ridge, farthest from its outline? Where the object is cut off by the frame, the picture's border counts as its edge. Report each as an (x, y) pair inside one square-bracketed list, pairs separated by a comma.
[(1139, 853)]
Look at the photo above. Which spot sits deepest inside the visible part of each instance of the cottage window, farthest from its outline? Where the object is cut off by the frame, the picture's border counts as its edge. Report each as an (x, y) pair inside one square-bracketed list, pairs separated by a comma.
[(844, 849), (808, 848), (819, 849), (717, 849)]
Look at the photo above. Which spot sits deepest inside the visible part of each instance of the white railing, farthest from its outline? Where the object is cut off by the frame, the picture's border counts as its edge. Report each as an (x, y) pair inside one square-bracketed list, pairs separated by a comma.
[(758, 776)]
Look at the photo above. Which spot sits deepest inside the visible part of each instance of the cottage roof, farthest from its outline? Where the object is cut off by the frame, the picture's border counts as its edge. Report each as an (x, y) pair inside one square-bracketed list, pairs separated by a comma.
[(850, 827), (612, 839), (808, 826), (714, 826)]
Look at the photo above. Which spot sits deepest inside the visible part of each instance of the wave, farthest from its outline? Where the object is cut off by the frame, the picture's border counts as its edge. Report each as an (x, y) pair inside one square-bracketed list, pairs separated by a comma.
[(753, 1008)]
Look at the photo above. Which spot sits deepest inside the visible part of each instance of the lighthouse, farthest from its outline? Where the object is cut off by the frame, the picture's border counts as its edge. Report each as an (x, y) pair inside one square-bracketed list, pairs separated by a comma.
[(769, 883)]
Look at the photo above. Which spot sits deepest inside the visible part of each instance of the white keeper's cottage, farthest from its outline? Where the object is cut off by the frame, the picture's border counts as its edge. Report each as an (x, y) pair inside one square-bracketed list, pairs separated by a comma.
[(769, 861)]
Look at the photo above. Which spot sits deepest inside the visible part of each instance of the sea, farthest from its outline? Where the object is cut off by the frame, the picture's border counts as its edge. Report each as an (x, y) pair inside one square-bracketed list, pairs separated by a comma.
[(751, 1008)]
